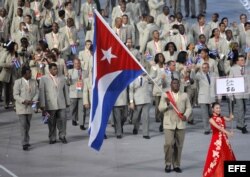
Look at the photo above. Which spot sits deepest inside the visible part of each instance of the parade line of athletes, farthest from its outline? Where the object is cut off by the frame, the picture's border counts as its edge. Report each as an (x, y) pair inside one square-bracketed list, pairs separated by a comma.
[(43, 70)]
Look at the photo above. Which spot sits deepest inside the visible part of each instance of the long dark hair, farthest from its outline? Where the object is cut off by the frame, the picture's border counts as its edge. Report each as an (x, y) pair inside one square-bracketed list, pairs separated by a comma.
[(157, 56), (213, 31), (10, 47), (167, 46)]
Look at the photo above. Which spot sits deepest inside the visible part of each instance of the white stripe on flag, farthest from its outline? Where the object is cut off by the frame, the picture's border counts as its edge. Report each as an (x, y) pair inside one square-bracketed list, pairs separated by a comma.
[(103, 85)]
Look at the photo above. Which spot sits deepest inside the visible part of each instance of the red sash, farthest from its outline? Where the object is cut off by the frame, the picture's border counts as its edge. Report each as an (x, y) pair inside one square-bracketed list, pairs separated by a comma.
[(173, 103)]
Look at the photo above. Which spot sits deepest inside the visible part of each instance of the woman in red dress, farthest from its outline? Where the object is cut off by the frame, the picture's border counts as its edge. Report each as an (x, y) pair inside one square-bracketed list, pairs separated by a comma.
[(219, 149)]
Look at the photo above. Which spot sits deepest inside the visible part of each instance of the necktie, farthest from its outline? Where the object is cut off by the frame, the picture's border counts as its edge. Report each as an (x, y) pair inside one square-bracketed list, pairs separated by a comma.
[(208, 78), (80, 74), (172, 76), (242, 71), (140, 81)]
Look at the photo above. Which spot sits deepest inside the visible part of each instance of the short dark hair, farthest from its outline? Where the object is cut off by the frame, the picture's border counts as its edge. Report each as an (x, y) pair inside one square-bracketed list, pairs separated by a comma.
[(169, 62), (175, 79), (247, 23), (240, 56), (243, 15), (51, 65), (25, 69), (181, 58), (221, 23), (205, 50), (206, 64), (202, 35), (125, 15), (217, 15), (28, 16), (150, 19), (67, 3), (61, 13), (215, 104), (200, 16)]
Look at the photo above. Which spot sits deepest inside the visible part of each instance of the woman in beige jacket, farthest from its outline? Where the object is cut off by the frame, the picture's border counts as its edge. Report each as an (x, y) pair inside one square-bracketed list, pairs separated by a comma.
[(10, 71)]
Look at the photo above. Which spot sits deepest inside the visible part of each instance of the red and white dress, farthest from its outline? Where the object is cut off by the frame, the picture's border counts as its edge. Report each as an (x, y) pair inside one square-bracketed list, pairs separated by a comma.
[(218, 152)]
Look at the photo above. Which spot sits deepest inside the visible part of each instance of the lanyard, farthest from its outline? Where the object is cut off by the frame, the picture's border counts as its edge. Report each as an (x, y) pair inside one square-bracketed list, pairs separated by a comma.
[(54, 80)]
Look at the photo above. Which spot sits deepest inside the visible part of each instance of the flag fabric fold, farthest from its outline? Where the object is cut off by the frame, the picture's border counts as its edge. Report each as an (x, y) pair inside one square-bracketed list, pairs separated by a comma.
[(114, 68)]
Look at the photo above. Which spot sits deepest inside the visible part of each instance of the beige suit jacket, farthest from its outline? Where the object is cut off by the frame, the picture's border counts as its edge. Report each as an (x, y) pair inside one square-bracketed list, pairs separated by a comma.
[(148, 35), (87, 10), (87, 91), (235, 71), (86, 59), (23, 91), (152, 48), (177, 39), (155, 7), (219, 46), (139, 91), (5, 33), (162, 20), (62, 42), (122, 99), (71, 34), (8, 69), (195, 32), (206, 93), (171, 120), (73, 79), (15, 24), (123, 35), (53, 95)]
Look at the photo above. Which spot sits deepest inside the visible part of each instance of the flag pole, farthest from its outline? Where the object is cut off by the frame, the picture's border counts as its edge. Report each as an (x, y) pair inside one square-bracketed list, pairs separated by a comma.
[(131, 55)]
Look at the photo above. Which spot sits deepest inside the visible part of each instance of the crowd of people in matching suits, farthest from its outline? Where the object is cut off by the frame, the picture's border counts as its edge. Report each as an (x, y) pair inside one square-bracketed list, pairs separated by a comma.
[(44, 69)]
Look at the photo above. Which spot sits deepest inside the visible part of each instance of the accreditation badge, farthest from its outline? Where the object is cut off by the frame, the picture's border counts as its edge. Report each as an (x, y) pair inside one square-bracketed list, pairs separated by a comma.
[(79, 85), (38, 76)]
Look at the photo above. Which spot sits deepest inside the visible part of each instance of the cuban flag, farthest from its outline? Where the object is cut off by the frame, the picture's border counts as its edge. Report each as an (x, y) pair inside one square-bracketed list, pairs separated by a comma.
[(69, 63), (114, 68), (16, 63), (148, 56)]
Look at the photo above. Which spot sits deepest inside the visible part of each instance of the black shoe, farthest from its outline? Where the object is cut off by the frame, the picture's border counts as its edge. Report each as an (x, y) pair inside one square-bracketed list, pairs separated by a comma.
[(28, 145), (206, 132), (135, 132), (146, 137), (6, 107), (74, 123), (1, 100), (157, 120), (187, 15), (193, 16), (239, 128), (82, 127), (244, 130), (25, 147), (161, 128), (177, 170), (63, 140), (52, 142), (168, 168), (119, 136), (105, 137), (191, 122)]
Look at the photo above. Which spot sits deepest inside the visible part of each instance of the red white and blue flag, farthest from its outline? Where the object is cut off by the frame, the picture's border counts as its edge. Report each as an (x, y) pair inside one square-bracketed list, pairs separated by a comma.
[(114, 68)]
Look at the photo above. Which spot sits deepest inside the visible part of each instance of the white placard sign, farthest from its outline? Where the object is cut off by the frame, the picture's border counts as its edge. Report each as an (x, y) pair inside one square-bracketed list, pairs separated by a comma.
[(230, 85)]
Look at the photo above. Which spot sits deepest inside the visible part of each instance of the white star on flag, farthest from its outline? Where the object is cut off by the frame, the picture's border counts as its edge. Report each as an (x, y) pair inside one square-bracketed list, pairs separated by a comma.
[(107, 55)]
